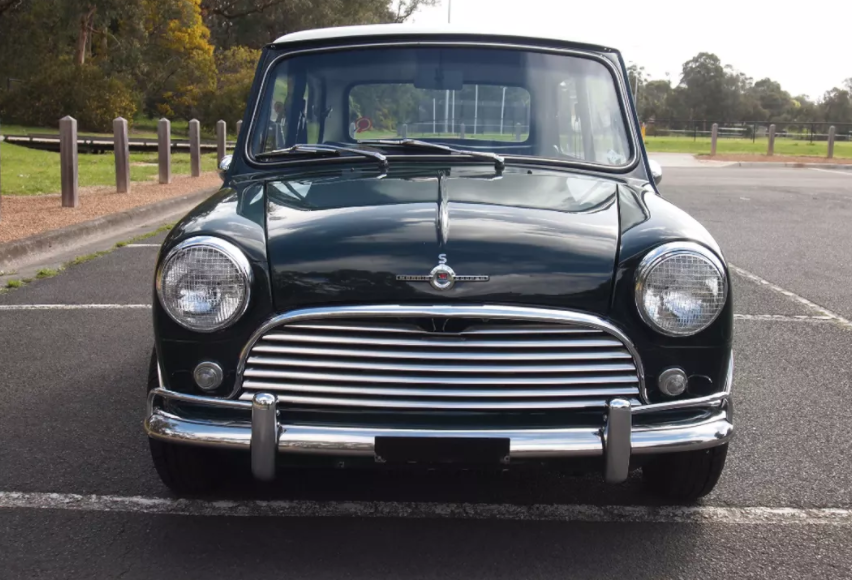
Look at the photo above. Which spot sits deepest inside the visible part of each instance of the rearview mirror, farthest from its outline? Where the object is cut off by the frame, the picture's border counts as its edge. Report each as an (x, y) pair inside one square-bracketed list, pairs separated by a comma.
[(438, 79)]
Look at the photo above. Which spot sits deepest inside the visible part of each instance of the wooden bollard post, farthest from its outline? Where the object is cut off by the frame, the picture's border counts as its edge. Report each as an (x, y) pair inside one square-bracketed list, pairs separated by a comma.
[(771, 149), (517, 131), (1, 184), (68, 161), (164, 150), (461, 133), (195, 147), (714, 135), (221, 141), (239, 128), (121, 148), (831, 134)]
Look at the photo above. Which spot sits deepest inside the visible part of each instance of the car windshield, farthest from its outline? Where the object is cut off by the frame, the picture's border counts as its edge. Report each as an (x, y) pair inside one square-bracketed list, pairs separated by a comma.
[(512, 102)]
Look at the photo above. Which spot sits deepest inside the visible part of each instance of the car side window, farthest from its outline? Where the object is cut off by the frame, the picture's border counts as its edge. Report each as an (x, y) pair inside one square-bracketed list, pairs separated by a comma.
[(590, 124)]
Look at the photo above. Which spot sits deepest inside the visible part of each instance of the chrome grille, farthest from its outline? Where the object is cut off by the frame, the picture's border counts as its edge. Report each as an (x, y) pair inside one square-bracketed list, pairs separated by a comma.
[(440, 363)]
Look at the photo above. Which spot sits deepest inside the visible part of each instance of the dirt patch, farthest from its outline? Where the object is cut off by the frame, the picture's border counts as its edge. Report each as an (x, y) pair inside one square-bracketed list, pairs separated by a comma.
[(23, 216), (745, 157)]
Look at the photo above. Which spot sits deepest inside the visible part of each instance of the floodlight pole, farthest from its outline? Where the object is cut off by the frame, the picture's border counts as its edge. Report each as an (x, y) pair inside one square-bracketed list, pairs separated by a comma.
[(447, 112), (454, 112), (475, 107), (502, 108)]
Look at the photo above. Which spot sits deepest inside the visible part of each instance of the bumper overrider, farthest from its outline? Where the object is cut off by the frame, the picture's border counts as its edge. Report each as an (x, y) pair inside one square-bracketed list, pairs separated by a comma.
[(619, 436)]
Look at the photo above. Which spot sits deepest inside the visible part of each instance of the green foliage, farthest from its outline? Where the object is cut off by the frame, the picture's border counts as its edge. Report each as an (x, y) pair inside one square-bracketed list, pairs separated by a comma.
[(179, 55), (710, 91), (145, 236), (227, 100), (60, 89), (87, 258), (46, 273), (255, 23)]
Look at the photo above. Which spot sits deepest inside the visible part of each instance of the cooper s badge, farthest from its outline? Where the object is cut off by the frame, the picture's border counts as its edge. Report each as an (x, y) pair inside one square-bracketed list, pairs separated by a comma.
[(442, 277)]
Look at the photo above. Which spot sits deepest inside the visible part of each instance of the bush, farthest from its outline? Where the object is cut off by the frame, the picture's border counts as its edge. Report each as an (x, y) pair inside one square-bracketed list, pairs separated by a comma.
[(83, 92), (227, 101)]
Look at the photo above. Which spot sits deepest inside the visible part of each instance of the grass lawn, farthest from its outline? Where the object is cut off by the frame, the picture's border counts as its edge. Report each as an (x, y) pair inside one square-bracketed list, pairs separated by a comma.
[(26, 171), (701, 145)]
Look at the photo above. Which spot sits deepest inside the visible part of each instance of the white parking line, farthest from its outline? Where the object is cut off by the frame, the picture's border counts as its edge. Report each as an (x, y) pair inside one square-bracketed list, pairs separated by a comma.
[(75, 306), (783, 318), (422, 510), (841, 172), (142, 246), (836, 318)]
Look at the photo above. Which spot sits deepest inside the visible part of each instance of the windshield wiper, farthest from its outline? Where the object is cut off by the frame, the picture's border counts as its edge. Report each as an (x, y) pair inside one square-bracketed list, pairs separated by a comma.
[(499, 162), (325, 150)]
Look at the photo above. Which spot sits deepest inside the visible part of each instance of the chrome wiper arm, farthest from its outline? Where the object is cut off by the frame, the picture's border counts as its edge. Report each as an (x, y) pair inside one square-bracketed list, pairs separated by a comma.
[(323, 149), (499, 162)]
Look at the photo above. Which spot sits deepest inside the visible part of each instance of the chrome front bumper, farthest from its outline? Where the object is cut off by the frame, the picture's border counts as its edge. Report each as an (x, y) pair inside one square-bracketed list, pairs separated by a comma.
[(617, 439)]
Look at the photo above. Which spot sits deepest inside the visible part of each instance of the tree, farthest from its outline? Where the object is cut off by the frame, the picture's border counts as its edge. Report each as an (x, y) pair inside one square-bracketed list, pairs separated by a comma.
[(704, 78), (774, 100), (9, 5), (254, 23), (655, 96), (836, 106), (227, 99), (179, 57)]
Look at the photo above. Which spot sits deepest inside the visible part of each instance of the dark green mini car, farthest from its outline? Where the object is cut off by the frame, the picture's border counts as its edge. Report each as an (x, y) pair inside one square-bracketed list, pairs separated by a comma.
[(435, 247)]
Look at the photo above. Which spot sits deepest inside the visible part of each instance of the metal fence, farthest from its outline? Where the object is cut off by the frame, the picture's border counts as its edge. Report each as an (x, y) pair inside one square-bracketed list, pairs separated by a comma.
[(753, 130)]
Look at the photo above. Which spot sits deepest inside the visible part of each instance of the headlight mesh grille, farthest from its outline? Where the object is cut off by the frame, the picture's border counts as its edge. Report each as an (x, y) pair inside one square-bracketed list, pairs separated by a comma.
[(683, 293), (202, 288)]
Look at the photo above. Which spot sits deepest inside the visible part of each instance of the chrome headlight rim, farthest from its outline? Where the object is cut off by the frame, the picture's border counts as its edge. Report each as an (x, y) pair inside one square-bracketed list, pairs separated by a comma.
[(665, 251), (233, 253)]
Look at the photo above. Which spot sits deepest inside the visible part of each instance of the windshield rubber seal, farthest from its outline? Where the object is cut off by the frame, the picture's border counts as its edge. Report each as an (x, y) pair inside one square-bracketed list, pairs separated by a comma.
[(627, 118)]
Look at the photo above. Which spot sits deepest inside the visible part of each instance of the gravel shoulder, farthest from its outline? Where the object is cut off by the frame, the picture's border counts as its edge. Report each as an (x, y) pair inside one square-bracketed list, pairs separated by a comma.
[(24, 216)]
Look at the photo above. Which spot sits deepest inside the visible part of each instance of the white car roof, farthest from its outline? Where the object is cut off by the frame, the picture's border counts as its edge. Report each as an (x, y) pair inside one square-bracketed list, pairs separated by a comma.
[(415, 30)]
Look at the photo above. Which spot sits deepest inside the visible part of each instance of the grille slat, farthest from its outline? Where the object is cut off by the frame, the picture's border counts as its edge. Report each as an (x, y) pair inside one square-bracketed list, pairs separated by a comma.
[(431, 380), (471, 365), (334, 353), (475, 405), (451, 393), (431, 342), (441, 369)]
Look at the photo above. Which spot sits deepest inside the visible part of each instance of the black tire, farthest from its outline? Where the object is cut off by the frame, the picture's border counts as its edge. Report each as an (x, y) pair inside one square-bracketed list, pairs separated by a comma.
[(685, 476), (184, 469)]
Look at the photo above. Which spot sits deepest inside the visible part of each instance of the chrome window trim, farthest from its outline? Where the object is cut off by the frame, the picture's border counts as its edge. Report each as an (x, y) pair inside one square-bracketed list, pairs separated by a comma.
[(232, 252), (653, 258), (623, 100), (448, 311)]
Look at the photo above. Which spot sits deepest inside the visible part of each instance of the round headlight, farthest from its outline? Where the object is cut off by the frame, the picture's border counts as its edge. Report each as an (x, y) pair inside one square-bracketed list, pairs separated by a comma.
[(681, 288), (204, 283)]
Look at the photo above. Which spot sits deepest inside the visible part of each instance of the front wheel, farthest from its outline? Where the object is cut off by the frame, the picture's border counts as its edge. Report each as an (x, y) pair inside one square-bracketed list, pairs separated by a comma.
[(686, 476), (184, 469)]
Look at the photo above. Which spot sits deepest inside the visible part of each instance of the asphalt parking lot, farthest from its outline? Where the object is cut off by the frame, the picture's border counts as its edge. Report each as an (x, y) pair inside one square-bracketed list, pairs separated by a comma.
[(79, 497)]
